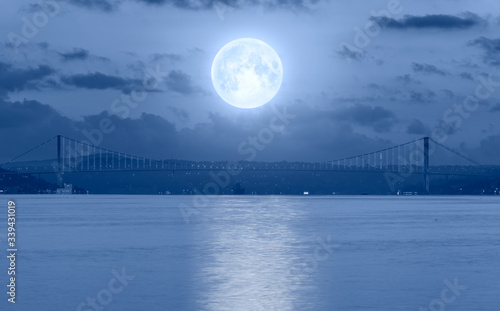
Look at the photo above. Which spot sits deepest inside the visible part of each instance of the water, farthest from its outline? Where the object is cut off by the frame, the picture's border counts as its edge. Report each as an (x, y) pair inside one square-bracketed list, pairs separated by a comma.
[(255, 253)]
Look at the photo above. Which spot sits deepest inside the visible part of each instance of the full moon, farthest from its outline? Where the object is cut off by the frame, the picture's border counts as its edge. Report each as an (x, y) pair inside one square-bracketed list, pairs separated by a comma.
[(247, 73)]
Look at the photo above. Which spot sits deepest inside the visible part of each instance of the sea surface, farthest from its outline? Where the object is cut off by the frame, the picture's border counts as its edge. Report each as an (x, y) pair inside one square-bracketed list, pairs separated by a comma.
[(336, 253)]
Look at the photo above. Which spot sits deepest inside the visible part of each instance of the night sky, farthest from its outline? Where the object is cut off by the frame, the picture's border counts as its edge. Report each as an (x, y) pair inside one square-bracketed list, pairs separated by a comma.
[(358, 76)]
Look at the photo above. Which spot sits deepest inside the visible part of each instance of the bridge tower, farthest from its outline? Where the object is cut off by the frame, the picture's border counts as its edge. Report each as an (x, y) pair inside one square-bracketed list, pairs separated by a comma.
[(426, 165), (59, 152), (59, 162)]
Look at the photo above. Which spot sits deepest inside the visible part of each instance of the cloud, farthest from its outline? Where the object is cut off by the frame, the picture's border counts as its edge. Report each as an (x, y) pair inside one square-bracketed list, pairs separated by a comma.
[(191, 5), (26, 113), (427, 69), (180, 114), (100, 81), (43, 45), (312, 135), (288, 4), (351, 54), (180, 82), (417, 127), (152, 135), (466, 76), (79, 54), (176, 81), (491, 48), (425, 96), (487, 151), (407, 79), (495, 108), (378, 118), (197, 5), (449, 128), (435, 21), (103, 5), (76, 54), (210, 4), (18, 79), (26, 124), (447, 93), (167, 57)]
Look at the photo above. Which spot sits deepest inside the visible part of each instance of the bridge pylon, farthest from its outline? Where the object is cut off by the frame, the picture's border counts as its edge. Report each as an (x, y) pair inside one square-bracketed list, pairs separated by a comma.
[(426, 183), (59, 162)]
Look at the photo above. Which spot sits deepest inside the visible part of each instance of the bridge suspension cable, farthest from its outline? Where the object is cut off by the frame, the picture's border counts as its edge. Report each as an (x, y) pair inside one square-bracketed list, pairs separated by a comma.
[(29, 151), (401, 157), (456, 153)]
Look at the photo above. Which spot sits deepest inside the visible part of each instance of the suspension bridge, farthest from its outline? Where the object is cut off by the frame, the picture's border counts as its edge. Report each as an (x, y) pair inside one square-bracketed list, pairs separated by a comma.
[(414, 157)]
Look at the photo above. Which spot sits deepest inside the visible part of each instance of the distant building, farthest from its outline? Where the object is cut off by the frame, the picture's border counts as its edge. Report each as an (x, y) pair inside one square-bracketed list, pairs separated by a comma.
[(68, 189), (238, 189), (406, 193)]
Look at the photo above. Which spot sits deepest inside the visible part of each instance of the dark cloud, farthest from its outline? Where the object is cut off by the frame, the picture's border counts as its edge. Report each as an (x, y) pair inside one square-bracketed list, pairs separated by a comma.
[(76, 54), (378, 118), (495, 108), (180, 82), (427, 69), (466, 76), (311, 135), (167, 57), (423, 97), (487, 150), (26, 124), (103, 5), (417, 127), (180, 114), (191, 5), (448, 93), (288, 4), (100, 81), (491, 48), (21, 114), (43, 45), (152, 135), (436, 21), (449, 128), (79, 54), (407, 79), (225, 4), (17, 79), (349, 54)]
